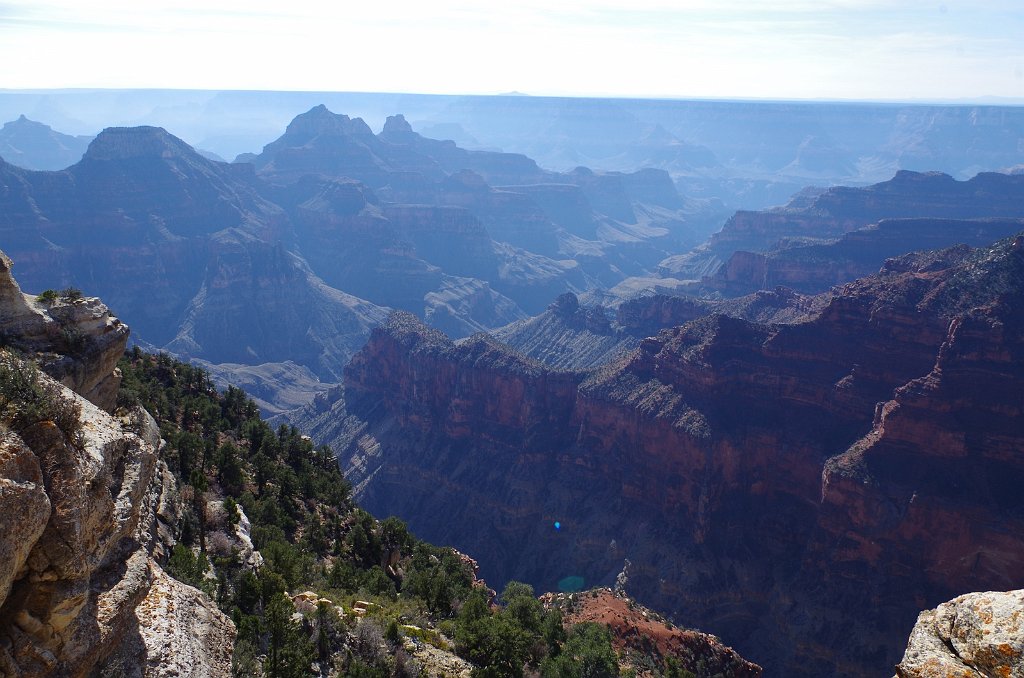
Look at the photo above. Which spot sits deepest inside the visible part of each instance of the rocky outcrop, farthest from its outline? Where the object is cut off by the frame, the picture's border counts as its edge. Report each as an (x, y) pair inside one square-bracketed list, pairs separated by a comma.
[(77, 339), (640, 635), (86, 564), (86, 507), (742, 468), (180, 633), (978, 635)]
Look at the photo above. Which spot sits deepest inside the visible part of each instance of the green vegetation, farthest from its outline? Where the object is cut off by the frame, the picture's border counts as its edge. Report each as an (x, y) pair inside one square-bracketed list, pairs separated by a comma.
[(70, 294), (523, 635), (47, 297), (26, 400), (587, 653), (312, 536), (303, 521)]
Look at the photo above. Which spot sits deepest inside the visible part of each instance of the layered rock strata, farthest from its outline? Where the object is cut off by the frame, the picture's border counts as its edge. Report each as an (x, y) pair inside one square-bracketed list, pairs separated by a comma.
[(816, 266), (841, 209), (746, 470), (86, 517)]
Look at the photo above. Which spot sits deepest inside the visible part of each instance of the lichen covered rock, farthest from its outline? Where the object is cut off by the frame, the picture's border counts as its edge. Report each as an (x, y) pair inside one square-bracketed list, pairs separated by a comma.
[(974, 636)]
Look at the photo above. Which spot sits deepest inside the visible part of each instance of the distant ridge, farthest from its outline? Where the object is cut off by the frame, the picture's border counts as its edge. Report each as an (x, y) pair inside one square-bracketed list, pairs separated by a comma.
[(33, 145)]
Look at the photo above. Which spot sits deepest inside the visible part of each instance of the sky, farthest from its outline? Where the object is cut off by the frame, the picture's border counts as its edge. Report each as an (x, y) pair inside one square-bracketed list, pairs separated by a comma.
[(779, 49)]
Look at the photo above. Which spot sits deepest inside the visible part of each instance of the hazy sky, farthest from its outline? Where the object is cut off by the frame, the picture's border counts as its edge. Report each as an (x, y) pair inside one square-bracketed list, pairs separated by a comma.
[(848, 49)]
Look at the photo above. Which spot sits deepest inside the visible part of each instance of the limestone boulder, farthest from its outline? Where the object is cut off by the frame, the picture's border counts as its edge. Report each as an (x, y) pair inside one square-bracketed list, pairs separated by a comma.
[(978, 635)]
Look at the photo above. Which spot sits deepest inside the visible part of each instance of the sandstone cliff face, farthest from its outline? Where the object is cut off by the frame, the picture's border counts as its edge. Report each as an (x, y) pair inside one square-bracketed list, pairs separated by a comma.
[(712, 457), (84, 516), (83, 526)]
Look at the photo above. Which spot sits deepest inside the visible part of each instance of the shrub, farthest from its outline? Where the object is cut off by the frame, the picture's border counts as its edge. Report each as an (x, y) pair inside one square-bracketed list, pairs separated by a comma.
[(70, 294), (26, 399), (47, 297), (74, 341)]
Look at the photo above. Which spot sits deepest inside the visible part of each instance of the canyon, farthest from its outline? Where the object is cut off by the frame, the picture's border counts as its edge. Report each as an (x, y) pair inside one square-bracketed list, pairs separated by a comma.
[(802, 489), (295, 253), (795, 432), (739, 154)]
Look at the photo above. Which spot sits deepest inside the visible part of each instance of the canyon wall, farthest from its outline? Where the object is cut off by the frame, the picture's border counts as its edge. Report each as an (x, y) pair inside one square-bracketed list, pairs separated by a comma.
[(88, 509), (801, 489)]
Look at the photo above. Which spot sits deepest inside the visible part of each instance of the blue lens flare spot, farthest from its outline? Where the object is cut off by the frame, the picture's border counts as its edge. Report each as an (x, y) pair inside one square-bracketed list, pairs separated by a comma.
[(571, 584), (558, 525)]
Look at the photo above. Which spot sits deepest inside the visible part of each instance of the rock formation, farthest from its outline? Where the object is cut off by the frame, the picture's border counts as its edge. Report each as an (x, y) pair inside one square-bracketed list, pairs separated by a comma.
[(572, 334), (742, 468), (842, 209), (641, 633), (308, 244), (816, 266), (78, 340), (86, 506), (33, 145), (977, 635)]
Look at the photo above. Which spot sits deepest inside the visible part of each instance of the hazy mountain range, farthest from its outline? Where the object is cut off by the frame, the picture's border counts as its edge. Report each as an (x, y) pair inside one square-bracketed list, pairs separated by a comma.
[(544, 331)]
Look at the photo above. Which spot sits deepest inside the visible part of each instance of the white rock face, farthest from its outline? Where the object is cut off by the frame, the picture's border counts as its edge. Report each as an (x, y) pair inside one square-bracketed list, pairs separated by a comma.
[(86, 569), (21, 494), (181, 634), (82, 519), (978, 635)]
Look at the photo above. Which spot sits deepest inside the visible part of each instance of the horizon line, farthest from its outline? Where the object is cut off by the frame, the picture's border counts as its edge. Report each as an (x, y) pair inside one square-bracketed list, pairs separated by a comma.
[(987, 100)]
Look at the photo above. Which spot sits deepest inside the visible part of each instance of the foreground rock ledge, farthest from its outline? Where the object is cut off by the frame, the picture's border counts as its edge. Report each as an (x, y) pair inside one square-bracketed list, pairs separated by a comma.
[(84, 521), (978, 635)]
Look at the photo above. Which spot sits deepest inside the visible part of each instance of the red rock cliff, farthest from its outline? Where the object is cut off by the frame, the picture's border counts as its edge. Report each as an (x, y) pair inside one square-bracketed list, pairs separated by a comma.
[(743, 469)]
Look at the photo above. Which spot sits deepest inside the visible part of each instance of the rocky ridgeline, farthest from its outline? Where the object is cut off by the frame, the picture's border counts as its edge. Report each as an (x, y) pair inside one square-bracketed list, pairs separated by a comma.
[(746, 470), (814, 267), (841, 209), (571, 334), (86, 508), (642, 636)]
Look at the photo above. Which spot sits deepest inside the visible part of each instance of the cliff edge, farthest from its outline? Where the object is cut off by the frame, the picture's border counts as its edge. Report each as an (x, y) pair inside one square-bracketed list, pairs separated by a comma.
[(86, 507)]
